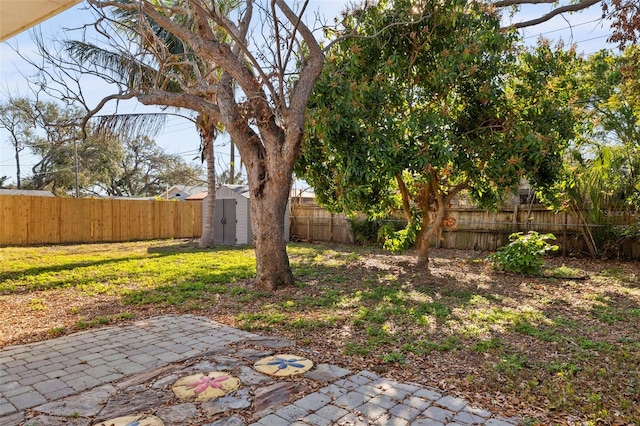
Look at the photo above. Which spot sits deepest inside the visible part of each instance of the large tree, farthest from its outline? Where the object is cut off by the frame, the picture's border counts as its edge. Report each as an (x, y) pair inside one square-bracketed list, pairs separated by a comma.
[(260, 97), (426, 101), (55, 147), (49, 131)]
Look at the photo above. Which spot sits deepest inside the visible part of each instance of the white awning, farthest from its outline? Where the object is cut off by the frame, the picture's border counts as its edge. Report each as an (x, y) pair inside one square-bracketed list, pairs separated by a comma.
[(19, 15)]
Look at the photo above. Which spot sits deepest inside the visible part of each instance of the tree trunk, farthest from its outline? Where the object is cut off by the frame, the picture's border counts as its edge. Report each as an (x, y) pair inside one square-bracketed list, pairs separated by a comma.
[(423, 241), (208, 230), (406, 208), (430, 227), (269, 201)]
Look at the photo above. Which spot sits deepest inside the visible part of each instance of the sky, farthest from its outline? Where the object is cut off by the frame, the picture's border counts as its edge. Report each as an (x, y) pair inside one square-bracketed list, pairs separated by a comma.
[(179, 136)]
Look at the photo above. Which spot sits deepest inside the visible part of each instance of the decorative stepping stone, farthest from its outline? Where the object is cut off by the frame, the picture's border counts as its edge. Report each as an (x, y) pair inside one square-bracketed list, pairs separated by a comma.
[(202, 387), (139, 420), (283, 365)]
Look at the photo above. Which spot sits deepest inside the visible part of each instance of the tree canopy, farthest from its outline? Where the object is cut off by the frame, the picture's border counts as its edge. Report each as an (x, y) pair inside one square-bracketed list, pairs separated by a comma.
[(426, 101)]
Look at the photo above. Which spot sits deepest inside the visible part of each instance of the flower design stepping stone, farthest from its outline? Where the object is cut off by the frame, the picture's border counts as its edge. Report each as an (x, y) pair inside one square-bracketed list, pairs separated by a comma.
[(283, 365), (202, 387), (140, 420)]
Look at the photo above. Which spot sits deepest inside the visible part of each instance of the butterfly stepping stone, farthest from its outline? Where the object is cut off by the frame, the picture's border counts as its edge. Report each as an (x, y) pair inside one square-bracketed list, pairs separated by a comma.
[(205, 386), (283, 365), (139, 420)]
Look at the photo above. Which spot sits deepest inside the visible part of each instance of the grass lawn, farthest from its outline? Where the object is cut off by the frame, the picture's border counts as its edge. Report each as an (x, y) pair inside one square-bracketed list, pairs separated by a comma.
[(554, 349)]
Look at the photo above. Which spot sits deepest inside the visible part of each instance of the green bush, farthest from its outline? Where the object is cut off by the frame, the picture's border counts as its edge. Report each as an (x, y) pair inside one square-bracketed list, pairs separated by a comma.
[(374, 231), (396, 240), (364, 231), (524, 253)]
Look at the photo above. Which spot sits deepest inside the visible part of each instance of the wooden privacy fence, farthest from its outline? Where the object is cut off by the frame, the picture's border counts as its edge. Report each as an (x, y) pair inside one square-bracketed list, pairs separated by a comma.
[(474, 229), (313, 223), (27, 220)]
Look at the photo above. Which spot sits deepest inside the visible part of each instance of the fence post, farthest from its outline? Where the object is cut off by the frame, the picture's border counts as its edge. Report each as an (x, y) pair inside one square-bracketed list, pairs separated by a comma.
[(564, 234), (331, 228), (515, 218)]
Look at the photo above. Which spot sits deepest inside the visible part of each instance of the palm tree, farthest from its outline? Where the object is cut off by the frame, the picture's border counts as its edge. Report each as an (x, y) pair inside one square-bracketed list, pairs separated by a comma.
[(208, 128)]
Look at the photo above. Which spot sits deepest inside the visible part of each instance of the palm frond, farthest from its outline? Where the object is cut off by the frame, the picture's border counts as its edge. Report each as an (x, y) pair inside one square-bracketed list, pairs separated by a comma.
[(120, 65), (129, 125)]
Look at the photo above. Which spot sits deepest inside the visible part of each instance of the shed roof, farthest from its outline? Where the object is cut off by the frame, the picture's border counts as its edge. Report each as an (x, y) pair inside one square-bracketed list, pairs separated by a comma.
[(188, 189), (239, 189), (242, 190)]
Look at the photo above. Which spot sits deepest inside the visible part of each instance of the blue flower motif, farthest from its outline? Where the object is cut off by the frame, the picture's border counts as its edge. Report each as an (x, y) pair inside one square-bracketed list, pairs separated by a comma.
[(283, 363), (133, 423)]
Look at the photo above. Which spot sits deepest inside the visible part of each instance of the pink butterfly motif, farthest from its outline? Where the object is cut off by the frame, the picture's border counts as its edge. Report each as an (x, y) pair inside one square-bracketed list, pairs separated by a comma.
[(205, 382)]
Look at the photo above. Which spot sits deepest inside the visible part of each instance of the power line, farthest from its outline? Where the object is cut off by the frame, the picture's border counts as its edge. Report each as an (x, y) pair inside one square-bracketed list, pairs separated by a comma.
[(593, 38), (563, 28)]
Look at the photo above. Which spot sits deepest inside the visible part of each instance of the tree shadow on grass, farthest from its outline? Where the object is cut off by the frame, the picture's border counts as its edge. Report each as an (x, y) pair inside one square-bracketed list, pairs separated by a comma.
[(40, 270), (75, 274)]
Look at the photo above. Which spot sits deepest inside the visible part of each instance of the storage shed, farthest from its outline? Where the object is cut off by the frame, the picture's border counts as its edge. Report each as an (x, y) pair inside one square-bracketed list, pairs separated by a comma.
[(232, 216)]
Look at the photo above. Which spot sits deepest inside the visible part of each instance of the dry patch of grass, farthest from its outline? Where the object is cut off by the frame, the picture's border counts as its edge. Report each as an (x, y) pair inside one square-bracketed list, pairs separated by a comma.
[(561, 348)]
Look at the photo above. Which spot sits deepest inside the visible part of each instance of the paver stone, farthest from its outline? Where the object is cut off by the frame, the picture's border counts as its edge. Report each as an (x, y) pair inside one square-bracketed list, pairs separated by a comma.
[(283, 365), (202, 387), (139, 420)]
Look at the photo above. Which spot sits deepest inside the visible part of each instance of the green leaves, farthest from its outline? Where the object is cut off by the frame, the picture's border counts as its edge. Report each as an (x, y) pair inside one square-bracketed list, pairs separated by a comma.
[(523, 255), (412, 91)]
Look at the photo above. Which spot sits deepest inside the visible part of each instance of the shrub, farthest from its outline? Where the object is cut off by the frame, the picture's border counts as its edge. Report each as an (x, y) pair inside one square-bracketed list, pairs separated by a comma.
[(396, 240), (524, 253), (364, 231)]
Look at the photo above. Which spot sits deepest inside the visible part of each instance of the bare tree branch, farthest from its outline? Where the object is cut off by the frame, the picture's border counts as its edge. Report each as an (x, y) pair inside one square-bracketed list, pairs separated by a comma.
[(560, 10), (507, 3)]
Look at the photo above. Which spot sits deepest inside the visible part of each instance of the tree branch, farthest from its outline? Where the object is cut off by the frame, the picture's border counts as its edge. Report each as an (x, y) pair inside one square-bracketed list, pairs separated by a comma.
[(406, 209), (558, 11), (507, 3)]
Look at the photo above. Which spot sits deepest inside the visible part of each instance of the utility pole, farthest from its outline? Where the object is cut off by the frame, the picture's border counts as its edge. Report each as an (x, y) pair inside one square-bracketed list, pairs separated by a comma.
[(74, 134), (232, 169), (75, 166)]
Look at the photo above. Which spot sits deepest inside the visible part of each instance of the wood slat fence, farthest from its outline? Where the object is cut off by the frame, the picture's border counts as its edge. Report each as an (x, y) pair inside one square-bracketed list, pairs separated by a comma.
[(475, 229), (29, 220)]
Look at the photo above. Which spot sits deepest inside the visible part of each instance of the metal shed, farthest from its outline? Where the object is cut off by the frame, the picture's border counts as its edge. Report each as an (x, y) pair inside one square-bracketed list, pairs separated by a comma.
[(232, 216)]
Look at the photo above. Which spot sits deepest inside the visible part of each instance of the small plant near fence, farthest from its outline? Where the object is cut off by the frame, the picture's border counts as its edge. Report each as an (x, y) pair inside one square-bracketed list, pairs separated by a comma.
[(379, 231), (365, 231), (524, 254), (396, 240)]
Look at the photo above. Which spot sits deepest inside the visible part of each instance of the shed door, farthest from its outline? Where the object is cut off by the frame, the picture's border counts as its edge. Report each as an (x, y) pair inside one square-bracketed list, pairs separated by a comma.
[(225, 222)]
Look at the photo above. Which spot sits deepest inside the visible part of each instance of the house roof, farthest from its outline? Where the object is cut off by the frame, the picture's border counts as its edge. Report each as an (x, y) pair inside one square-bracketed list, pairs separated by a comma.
[(199, 196), (188, 189), (19, 15), (33, 193)]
